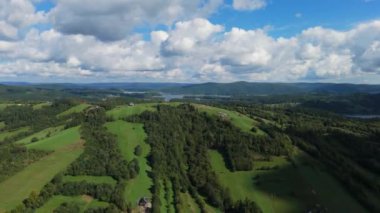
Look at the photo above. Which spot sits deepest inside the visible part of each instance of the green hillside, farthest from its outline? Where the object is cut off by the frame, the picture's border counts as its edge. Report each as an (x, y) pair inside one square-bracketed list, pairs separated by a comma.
[(76, 109), (66, 147), (188, 158)]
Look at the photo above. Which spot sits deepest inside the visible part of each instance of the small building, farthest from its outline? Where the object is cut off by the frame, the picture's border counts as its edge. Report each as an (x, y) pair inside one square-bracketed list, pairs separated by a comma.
[(145, 203)]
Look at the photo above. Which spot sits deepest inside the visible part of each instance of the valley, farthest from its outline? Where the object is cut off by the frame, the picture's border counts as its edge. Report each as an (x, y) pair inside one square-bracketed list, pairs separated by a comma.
[(105, 156)]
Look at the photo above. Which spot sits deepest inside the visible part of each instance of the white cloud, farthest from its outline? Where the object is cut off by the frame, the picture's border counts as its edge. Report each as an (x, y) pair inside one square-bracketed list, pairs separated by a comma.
[(7, 31), (191, 50), (187, 35), (16, 15), (113, 19), (249, 4)]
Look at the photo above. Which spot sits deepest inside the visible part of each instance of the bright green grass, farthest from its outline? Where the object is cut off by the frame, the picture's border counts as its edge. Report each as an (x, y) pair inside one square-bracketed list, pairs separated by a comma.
[(76, 109), (40, 105), (129, 135), (188, 204), (239, 120), (57, 141), (84, 202), (287, 189), (41, 135), (90, 179), (3, 106), (125, 111), (15, 189), (8, 134)]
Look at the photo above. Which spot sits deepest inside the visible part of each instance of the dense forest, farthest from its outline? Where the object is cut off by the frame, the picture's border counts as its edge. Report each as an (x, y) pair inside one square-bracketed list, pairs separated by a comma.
[(185, 135)]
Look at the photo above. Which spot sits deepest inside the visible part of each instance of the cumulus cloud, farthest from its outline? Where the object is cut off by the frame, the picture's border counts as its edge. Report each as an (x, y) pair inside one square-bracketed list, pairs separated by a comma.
[(15, 15), (84, 45), (249, 4), (111, 20), (188, 35)]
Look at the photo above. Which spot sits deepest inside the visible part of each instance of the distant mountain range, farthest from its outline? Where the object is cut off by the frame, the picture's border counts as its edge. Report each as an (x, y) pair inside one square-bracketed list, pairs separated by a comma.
[(126, 86), (247, 89), (230, 89)]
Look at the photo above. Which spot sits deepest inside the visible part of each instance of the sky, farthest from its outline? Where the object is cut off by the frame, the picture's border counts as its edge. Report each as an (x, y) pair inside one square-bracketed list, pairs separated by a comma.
[(190, 41)]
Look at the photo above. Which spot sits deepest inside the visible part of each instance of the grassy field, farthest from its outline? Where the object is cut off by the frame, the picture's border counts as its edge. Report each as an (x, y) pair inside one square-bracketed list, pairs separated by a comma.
[(188, 204), (36, 175), (239, 120), (286, 189), (55, 142), (40, 105), (8, 134), (85, 202), (124, 111), (90, 179), (75, 109), (2, 125), (129, 135), (41, 135), (3, 106)]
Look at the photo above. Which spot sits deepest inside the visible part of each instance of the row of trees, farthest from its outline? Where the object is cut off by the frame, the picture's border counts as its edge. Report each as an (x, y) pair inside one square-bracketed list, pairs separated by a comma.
[(37, 119), (348, 148), (101, 157), (14, 158)]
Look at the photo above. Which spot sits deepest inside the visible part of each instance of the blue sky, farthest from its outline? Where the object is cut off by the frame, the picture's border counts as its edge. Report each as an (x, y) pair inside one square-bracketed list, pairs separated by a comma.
[(190, 41), (286, 17), (282, 15)]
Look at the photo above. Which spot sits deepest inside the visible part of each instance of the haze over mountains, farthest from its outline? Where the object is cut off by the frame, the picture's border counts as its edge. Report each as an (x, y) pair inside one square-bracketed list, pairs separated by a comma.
[(235, 88)]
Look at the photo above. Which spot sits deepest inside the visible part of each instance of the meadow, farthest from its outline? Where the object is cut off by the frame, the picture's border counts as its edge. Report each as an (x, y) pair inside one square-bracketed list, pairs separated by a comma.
[(85, 202), (76, 109), (129, 136), (241, 121), (8, 134), (44, 134), (125, 110), (285, 187), (40, 105), (58, 141), (65, 146)]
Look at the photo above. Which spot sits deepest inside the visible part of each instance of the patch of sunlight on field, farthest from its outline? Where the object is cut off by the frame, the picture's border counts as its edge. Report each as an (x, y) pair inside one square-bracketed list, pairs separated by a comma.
[(41, 135), (75, 109), (32, 178), (124, 111), (241, 121), (61, 139)]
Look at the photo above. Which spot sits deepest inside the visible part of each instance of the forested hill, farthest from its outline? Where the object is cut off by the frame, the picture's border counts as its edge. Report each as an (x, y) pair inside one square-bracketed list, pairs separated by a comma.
[(248, 88)]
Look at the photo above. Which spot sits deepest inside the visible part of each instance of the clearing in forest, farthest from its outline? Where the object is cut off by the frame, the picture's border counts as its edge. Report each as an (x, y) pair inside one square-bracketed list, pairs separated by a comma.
[(76, 109), (280, 186), (241, 121), (129, 136)]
